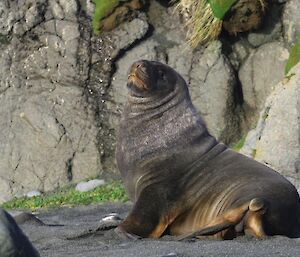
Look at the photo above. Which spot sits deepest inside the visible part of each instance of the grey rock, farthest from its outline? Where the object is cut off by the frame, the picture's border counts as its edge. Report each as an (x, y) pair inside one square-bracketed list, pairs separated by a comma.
[(169, 28), (262, 70), (90, 8), (13, 242), (19, 17), (180, 57), (33, 193), (89, 185), (249, 146), (275, 141), (240, 51), (271, 29), (212, 85), (291, 21), (49, 129), (57, 10), (253, 136), (22, 217), (279, 144)]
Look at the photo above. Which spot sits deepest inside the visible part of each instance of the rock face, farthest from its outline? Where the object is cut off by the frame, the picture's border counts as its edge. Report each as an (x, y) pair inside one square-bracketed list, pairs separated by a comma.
[(13, 243), (212, 88), (261, 71), (276, 140), (48, 131), (291, 21)]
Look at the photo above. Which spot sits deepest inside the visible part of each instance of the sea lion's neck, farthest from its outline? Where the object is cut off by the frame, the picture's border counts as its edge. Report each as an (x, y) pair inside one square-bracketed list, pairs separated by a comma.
[(149, 107)]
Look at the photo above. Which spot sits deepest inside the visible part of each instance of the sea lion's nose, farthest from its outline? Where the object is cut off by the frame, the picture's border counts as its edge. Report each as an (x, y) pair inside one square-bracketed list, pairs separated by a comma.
[(139, 65)]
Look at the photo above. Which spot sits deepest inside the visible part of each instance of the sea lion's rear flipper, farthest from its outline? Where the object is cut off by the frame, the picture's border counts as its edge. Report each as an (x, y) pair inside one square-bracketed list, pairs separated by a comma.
[(247, 217)]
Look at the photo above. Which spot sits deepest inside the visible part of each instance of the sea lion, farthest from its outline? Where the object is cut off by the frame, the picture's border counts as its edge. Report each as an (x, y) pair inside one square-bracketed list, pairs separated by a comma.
[(182, 181)]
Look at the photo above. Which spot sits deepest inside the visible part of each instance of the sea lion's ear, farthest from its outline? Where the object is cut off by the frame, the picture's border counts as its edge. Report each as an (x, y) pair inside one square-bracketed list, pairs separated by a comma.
[(162, 75)]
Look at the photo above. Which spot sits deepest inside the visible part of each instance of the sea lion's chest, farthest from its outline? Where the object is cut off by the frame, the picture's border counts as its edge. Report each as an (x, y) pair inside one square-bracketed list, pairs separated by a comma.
[(144, 137)]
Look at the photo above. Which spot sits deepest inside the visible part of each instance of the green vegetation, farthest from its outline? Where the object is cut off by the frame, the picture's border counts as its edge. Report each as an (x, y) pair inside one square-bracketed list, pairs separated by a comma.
[(103, 8), (294, 57), (239, 144), (206, 17), (111, 192), (253, 153), (221, 7)]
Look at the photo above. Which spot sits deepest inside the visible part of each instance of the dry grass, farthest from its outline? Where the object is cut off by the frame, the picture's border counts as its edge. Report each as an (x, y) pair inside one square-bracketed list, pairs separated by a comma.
[(202, 25)]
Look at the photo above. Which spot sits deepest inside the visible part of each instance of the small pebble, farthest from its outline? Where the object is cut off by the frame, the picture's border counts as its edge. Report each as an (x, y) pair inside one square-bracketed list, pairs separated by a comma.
[(90, 185), (33, 193)]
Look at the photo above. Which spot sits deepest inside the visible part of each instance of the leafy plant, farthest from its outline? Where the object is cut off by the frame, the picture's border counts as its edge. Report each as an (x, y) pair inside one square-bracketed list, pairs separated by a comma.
[(102, 9), (220, 7), (294, 57)]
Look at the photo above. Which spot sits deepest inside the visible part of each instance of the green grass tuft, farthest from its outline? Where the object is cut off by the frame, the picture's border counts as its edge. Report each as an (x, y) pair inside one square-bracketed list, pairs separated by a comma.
[(239, 144), (112, 191)]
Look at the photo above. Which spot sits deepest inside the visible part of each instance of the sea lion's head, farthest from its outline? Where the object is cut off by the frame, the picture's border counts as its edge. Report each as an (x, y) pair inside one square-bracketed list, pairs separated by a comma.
[(151, 78)]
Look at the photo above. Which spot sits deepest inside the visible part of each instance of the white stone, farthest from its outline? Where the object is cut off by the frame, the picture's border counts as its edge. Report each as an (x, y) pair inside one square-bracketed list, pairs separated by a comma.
[(33, 193), (89, 185)]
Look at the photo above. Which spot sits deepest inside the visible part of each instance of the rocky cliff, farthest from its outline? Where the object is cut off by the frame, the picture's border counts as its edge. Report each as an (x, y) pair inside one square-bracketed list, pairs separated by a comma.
[(62, 88)]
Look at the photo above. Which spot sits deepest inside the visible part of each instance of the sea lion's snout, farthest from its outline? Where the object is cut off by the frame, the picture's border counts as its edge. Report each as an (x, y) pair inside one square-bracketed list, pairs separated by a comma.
[(139, 76)]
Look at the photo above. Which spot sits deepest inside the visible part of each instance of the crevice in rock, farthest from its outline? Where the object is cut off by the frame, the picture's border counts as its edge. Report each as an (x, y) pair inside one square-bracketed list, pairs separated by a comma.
[(100, 94), (19, 160), (69, 167), (62, 128), (238, 91)]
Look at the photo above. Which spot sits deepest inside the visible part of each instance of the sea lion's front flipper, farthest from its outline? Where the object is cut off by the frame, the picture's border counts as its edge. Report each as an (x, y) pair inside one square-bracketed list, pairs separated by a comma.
[(148, 217), (249, 215)]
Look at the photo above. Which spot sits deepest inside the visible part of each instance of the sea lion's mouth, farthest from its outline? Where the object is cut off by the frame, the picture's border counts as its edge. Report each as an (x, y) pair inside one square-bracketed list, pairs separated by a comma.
[(134, 82)]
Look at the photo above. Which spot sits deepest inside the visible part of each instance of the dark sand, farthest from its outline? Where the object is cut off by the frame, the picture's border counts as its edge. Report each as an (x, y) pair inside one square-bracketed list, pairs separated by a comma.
[(63, 240)]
